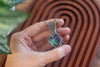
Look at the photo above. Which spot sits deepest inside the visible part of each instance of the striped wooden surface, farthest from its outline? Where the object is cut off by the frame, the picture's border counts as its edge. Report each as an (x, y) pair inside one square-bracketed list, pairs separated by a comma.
[(82, 16)]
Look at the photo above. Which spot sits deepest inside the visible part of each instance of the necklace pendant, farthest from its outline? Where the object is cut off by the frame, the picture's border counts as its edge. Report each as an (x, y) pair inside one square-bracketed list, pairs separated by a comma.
[(55, 39)]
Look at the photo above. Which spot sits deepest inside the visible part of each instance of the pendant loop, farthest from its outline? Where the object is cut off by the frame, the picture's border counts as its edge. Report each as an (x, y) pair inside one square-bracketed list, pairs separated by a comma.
[(52, 26)]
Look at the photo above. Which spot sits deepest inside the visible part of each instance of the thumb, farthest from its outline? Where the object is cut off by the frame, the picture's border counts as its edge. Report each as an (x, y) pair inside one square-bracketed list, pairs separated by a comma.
[(55, 54)]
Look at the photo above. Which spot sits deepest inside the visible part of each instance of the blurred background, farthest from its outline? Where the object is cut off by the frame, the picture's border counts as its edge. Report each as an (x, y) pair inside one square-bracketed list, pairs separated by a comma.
[(23, 7)]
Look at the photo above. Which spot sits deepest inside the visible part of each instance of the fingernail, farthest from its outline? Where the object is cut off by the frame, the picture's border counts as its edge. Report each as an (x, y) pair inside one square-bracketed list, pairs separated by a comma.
[(67, 48), (61, 20), (68, 29), (64, 50), (68, 37)]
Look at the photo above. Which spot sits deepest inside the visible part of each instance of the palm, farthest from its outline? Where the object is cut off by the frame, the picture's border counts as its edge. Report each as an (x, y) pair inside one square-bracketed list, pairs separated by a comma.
[(41, 41)]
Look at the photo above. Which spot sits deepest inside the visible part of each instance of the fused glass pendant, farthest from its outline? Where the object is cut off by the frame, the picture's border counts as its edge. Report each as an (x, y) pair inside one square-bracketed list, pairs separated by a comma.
[(55, 39)]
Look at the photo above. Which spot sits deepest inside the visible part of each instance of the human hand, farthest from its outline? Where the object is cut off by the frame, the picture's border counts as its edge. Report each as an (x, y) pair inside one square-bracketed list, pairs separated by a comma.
[(24, 44)]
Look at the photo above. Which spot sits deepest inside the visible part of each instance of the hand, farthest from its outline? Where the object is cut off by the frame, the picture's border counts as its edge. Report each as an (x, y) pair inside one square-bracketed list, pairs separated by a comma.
[(24, 46)]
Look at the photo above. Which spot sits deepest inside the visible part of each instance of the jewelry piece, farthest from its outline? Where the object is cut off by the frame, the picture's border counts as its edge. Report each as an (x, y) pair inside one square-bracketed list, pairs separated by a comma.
[(55, 39)]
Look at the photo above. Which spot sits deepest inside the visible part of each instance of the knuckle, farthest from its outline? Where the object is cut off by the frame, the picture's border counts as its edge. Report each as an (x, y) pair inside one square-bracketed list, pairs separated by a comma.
[(60, 53), (15, 35), (56, 55)]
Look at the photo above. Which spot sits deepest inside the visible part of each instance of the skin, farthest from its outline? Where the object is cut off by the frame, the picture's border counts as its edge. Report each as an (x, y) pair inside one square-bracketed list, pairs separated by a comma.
[(23, 56), (23, 7)]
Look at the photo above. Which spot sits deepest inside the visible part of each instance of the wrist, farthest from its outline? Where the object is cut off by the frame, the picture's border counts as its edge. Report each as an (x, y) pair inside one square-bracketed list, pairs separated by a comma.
[(18, 60), (12, 61)]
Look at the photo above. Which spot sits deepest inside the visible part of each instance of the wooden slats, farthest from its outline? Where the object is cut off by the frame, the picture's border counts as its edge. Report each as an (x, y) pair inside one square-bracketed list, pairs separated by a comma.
[(82, 16)]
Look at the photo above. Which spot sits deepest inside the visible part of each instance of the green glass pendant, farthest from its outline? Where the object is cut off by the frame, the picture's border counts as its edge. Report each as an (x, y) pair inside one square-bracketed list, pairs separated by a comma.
[(55, 39)]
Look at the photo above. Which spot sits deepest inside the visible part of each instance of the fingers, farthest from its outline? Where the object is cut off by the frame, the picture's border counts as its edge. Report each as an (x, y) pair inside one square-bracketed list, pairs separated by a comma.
[(55, 54), (41, 26), (66, 38), (45, 35), (42, 36), (63, 31)]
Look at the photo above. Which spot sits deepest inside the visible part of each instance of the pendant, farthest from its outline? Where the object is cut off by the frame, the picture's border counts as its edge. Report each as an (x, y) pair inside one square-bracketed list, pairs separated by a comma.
[(55, 39)]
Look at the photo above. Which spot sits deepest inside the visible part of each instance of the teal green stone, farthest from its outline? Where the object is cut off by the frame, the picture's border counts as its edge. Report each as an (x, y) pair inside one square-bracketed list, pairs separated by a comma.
[(55, 40)]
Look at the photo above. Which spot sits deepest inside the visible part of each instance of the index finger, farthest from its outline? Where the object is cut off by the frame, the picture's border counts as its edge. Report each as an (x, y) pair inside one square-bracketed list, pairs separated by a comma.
[(40, 27)]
